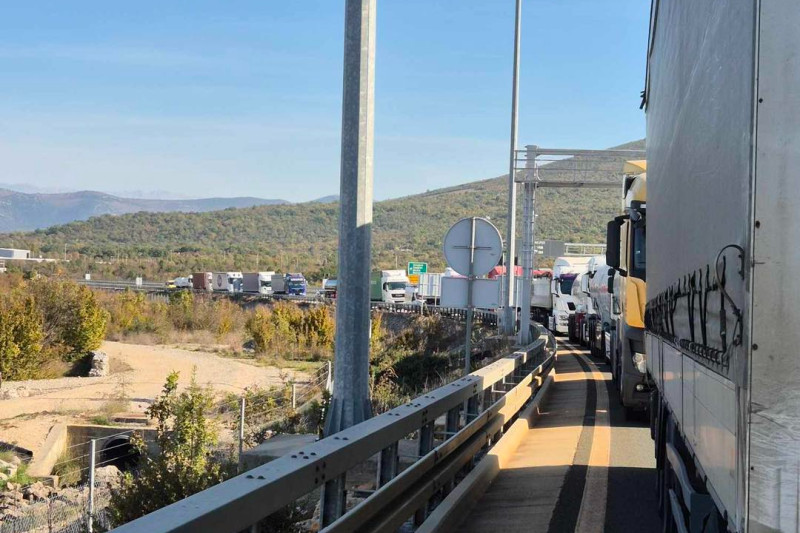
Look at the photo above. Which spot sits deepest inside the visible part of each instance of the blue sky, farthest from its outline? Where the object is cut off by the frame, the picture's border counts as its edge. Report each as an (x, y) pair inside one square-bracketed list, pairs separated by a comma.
[(243, 98)]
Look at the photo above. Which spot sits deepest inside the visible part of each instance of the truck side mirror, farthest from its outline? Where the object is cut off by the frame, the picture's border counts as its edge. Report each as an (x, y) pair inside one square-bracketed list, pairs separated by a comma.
[(613, 242), (610, 282), (585, 284)]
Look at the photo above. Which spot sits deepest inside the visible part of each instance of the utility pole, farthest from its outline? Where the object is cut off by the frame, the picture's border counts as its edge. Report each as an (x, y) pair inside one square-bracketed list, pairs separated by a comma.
[(350, 402), (511, 230)]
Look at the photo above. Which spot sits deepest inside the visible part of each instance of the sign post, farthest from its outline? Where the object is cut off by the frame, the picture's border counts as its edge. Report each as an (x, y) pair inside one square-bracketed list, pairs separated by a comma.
[(472, 247)]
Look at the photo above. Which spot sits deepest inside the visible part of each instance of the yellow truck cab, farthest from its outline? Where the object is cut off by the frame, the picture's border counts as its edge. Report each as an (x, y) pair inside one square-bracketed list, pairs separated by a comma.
[(626, 243)]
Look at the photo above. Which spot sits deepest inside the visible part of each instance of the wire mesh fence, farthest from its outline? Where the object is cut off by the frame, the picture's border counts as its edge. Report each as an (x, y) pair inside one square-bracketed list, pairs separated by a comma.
[(30, 509)]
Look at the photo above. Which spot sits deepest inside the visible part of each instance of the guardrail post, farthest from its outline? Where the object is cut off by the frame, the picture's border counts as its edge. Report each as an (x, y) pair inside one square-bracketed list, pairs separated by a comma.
[(488, 397), (333, 498), (425, 446), (387, 468), (453, 418), (472, 408)]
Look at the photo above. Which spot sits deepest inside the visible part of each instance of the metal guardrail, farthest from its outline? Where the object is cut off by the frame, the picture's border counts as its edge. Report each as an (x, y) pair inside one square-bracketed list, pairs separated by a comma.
[(473, 412)]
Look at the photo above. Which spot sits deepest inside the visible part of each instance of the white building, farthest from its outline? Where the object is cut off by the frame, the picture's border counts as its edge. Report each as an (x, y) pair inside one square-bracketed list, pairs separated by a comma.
[(13, 253)]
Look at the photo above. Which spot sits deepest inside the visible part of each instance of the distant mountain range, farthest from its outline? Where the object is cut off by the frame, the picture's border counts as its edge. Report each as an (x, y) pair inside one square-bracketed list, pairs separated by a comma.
[(24, 211), (303, 236)]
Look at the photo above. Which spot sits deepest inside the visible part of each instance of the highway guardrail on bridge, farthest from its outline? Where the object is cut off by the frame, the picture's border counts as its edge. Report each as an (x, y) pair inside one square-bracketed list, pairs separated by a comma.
[(474, 409)]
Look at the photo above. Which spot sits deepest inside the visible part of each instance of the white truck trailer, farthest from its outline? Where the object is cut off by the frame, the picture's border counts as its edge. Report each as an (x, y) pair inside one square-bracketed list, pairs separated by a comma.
[(565, 270), (430, 285), (227, 281), (257, 282), (723, 295)]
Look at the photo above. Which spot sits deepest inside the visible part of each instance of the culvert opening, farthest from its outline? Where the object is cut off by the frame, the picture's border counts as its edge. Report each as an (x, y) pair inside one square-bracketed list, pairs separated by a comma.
[(119, 452)]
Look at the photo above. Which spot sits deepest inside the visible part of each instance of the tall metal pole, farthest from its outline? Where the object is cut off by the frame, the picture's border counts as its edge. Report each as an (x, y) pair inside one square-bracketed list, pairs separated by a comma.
[(350, 402), (528, 243), (511, 230), (470, 281), (529, 195)]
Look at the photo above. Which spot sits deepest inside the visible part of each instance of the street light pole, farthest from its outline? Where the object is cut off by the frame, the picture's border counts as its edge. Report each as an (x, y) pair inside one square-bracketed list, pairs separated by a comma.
[(511, 230), (350, 403)]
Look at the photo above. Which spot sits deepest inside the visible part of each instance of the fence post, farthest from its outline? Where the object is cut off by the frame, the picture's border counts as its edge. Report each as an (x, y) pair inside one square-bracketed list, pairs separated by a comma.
[(92, 450), (294, 395), (329, 379), (241, 431)]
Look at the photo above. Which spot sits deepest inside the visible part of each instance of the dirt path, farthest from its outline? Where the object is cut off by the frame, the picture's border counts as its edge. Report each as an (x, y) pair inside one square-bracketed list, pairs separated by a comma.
[(26, 421)]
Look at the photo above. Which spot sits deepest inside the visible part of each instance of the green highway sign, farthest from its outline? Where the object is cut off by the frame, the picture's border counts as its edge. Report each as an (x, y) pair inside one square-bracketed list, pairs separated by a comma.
[(416, 267)]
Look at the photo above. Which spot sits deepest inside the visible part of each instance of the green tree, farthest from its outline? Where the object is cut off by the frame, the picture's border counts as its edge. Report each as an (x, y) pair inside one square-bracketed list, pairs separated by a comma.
[(87, 327), (183, 466), (20, 338), (72, 320)]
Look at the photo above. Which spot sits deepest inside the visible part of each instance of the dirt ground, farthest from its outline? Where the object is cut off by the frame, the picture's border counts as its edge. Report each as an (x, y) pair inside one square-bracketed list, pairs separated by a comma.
[(25, 421)]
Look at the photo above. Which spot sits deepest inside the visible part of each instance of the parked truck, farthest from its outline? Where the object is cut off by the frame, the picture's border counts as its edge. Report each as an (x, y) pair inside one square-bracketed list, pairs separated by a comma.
[(604, 310), (257, 282), (329, 288), (565, 271), (625, 252), (723, 309), (578, 325), (388, 286), (227, 281), (203, 281), (183, 282), (292, 283)]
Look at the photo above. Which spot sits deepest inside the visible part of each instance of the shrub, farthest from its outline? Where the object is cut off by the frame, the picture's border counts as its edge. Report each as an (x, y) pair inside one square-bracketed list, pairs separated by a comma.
[(288, 330), (185, 436)]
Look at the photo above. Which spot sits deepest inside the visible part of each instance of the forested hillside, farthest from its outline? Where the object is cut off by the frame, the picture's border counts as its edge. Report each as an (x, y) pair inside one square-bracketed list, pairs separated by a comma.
[(304, 236)]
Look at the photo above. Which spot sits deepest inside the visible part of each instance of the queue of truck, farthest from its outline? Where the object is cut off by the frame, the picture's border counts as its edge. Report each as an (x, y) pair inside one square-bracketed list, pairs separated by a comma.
[(723, 295), (264, 283)]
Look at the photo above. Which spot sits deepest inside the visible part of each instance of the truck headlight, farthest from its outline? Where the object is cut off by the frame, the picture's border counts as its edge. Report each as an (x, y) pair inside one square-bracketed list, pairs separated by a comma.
[(639, 362)]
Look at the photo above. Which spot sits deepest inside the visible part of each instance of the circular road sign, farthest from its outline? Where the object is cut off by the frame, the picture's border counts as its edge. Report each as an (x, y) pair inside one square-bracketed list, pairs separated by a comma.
[(487, 247)]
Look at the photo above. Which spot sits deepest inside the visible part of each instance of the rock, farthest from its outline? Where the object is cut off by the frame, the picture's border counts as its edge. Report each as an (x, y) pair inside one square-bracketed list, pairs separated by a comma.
[(100, 364), (8, 394), (16, 460), (107, 475), (3, 477), (37, 491)]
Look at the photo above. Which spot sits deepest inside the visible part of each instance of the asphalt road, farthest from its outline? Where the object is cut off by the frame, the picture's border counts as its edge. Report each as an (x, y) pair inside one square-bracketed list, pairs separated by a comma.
[(631, 503), (580, 467)]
